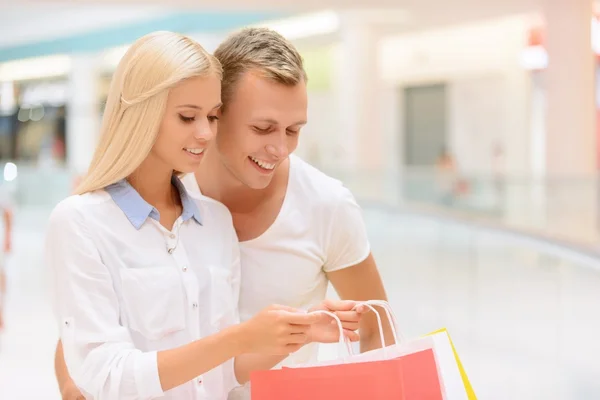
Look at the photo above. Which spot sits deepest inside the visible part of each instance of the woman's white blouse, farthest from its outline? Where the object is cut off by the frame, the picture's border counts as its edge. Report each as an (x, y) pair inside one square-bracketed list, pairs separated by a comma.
[(125, 288)]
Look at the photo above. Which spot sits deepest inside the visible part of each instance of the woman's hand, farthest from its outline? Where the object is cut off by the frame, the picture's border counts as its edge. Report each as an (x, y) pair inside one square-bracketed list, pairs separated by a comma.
[(278, 330)]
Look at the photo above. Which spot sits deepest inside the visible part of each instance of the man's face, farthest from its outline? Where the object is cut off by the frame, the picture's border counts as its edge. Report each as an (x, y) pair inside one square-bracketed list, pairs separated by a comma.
[(259, 127)]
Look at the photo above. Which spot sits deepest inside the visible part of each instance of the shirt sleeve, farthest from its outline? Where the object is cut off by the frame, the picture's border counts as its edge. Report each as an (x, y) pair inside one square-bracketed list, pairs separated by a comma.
[(347, 243), (98, 350)]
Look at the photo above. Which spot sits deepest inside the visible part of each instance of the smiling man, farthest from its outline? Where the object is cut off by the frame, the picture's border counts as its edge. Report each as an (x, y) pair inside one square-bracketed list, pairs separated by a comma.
[(298, 228)]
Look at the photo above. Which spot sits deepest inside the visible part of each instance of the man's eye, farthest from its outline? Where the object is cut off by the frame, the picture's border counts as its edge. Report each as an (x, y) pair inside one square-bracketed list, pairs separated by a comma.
[(262, 130)]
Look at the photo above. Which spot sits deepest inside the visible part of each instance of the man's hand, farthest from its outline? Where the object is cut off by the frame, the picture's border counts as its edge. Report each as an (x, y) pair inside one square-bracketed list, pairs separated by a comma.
[(327, 330)]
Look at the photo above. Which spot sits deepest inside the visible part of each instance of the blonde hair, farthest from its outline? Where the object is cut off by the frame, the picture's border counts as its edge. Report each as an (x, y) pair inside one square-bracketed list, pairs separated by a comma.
[(262, 50), (136, 103)]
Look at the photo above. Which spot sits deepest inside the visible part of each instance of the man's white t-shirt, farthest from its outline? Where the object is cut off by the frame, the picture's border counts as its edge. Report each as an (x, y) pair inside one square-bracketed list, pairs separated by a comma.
[(319, 229)]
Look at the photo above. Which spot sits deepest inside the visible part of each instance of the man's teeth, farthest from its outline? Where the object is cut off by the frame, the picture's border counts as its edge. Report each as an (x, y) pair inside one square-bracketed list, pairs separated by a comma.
[(195, 151), (262, 164)]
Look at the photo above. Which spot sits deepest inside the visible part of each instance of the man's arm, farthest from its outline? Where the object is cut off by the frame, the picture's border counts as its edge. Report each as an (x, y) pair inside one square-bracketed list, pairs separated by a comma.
[(362, 282), (67, 387)]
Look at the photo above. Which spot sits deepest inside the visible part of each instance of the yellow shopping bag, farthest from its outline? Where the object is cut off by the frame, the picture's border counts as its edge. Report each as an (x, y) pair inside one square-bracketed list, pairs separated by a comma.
[(463, 373)]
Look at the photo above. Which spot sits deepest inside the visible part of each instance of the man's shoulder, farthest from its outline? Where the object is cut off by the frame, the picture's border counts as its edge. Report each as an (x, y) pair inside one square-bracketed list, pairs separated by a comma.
[(313, 184)]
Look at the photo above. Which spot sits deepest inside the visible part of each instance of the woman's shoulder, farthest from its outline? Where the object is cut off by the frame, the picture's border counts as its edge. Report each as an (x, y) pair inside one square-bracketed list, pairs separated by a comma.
[(73, 207)]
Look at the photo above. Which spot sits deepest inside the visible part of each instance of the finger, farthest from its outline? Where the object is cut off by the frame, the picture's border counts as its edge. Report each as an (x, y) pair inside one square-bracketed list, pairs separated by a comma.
[(297, 338), (352, 336), (295, 329), (361, 308), (292, 348), (279, 307), (351, 326), (339, 305), (348, 316), (298, 318)]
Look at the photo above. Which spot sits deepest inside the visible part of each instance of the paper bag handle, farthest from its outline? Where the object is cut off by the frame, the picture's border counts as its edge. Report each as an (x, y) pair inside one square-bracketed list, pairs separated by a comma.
[(398, 337), (343, 341)]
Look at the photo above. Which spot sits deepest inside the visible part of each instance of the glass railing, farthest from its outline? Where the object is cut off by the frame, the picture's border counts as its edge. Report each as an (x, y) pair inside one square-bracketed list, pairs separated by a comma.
[(565, 209), (38, 187), (519, 310)]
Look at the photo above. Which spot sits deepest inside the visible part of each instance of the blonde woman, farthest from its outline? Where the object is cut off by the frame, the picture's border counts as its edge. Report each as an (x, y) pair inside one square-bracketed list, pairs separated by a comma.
[(145, 274)]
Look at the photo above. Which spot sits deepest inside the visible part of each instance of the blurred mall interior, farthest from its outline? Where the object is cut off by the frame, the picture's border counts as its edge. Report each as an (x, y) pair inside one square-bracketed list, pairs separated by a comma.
[(466, 129)]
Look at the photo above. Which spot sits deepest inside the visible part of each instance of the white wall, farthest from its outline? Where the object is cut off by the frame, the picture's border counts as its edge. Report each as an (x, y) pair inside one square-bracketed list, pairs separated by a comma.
[(477, 120), (36, 22), (318, 142), (488, 90)]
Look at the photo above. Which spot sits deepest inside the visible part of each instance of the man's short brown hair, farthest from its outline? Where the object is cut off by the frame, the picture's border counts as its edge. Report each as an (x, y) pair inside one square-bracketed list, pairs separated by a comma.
[(262, 50)]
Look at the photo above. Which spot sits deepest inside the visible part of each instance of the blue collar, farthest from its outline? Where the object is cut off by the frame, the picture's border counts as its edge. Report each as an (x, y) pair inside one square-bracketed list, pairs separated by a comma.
[(137, 210)]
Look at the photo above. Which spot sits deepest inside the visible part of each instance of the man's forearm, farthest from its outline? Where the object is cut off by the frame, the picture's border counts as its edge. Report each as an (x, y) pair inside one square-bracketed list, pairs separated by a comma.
[(370, 339), (60, 368)]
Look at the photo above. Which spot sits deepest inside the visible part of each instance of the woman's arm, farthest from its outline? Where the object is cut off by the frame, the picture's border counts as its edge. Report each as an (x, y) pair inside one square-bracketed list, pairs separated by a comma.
[(259, 343), (276, 330)]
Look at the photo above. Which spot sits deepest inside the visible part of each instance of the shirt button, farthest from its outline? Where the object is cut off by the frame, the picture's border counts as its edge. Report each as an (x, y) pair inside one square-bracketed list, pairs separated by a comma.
[(195, 305), (172, 235), (184, 268), (199, 381)]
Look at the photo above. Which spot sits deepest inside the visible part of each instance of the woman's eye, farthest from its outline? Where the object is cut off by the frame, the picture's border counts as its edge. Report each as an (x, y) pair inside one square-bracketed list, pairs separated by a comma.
[(213, 118), (186, 119)]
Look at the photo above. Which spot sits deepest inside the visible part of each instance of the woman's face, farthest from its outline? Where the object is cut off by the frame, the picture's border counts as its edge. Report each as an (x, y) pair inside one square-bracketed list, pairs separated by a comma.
[(259, 128), (189, 123)]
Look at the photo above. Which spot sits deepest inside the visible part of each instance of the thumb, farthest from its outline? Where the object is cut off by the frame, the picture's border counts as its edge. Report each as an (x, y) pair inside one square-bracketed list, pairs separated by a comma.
[(339, 305), (361, 308), (351, 335)]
